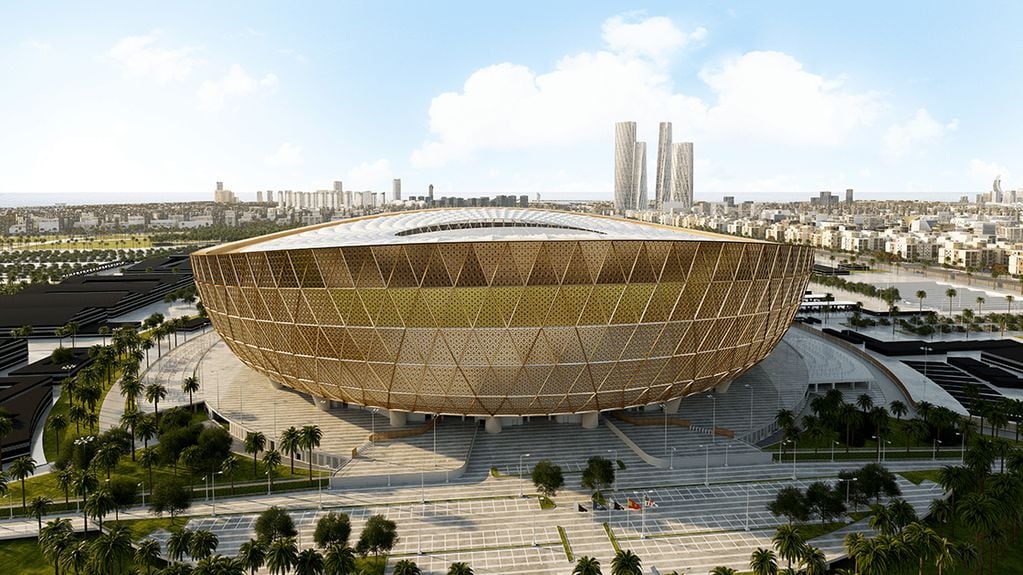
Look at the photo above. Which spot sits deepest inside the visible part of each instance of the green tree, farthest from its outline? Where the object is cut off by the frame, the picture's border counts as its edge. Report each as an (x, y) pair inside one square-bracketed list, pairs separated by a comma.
[(626, 562), (55, 539), (170, 496), (147, 554), (586, 565), (177, 543), (898, 409), (789, 542), (763, 562), (721, 570), (921, 295), (406, 567), (38, 507), (547, 477), (813, 561), (190, 386), (253, 555), (378, 536), (281, 555), (228, 467), (202, 544), (155, 392), (111, 549), (309, 562), (274, 523), (290, 444), (309, 438), (459, 568), (255, 442), (99, 504), (599, 474), (271, 461), (57, 423), (340, 560), (790, 503), (21, 469), (950, 293), (332, 529)]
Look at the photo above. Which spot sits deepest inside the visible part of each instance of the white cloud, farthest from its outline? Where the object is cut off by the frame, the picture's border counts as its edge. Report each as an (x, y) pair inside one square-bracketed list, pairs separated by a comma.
[(140, 57), (759, 96), (920, 131), (984, 173), (655, 37), (38, 46), (370, 176), (214, 94), (288, 154)]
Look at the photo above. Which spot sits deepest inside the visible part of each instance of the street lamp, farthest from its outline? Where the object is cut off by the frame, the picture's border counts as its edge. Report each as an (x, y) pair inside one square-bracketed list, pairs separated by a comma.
[(794, 444), (848, 482), (664, 408), (706, 467), (926, 349), (750, 406), (373, 423), (671, 463), (833, 444), (747, 506), (142, 488), (520, 472), (934, 449), (268, 482), (714, 419), (213, 478), (727, 446)]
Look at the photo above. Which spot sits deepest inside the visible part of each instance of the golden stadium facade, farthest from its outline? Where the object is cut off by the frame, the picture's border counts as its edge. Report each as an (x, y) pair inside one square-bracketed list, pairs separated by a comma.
[(500, 311)]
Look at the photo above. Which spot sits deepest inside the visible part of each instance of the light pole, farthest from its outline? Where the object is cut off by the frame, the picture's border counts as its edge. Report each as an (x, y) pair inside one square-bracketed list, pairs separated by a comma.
[(214, 491), (714, 419), (671, 463), (794, 444), (422, 487), (747, 506), (750, 407), (727, 446), (268, 482), (962, 448), (319, 490), (664, 408), (520, 472), (642, 532), (848, 482), (706, 467), (435, 422), (142, 488), (372, 424), (833, 444), (934, 449)]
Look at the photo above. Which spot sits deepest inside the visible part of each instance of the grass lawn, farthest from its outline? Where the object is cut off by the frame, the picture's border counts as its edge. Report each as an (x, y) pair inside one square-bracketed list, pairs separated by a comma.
[(918, 477), (22, 556), (141, 528), (50, 437), (1009, 557)]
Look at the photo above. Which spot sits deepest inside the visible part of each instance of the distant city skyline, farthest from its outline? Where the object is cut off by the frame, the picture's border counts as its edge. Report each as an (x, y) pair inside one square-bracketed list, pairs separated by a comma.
[(784, 100)]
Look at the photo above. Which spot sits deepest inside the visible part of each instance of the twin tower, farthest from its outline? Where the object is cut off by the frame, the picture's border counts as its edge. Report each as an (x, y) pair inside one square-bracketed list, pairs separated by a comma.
[(673, 188)]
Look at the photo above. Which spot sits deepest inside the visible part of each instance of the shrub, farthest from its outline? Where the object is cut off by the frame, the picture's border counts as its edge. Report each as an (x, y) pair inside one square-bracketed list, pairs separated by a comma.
[(273, 524), (332, 528)]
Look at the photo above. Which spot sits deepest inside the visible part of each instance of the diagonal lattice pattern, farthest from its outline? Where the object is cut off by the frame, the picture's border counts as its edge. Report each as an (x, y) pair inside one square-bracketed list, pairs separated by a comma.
[(504, 327)]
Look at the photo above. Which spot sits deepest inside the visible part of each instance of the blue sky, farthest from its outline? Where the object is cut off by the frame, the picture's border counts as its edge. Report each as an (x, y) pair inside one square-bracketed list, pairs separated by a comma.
[(150, 101)]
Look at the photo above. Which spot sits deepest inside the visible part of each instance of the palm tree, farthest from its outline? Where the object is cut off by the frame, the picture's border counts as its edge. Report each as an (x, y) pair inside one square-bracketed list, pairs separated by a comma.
[(253, 555), (281, 555), (148, 458), (789, 542), (129, 421), (154, 393), (271, 461), (130, 388), (309, 439), (813, 561), (586, 565), (190, 385), (38, 508), (202, 544), (948, 554), (865, 402), (922, 541), (459, 568), (309, 562), (902, 513), (406, 567), (110, 548), (146, 429), (84, 483), (290, 444), (57, 423), (21, 469), (921, 295), (950, 293), (898, 409), (228, 467), (979, 512), (626, 563), (340, 560), (147, 554), (54, 540), (100, 503), (75, 557), (723, 571), (763, 562), (255, 442), (177, 544)]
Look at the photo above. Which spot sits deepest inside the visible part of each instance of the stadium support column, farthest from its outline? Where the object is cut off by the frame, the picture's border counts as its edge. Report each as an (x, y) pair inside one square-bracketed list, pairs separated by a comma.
[(591, 419), (397, 418), (673, 405), (322, 403), (493, 425), (722, 388)]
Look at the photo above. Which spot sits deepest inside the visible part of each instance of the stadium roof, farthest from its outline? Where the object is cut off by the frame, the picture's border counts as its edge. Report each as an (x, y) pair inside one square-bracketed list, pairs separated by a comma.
[(470, 225)]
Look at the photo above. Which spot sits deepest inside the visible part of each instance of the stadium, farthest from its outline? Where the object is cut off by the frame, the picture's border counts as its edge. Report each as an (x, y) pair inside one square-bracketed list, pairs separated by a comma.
[(500, 312)]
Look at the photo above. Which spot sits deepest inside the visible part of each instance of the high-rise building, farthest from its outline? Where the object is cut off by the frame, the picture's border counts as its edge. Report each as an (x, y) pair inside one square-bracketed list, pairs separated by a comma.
[(259, 197), (662, 186), (625, 179), (639, 172), (682, 174), (396, 190), (270, 196), (222, 196), (429, 194), (849, 196)]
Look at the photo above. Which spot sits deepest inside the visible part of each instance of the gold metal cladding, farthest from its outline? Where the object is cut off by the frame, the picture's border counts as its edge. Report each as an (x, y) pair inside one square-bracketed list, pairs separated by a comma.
[(505, 327)]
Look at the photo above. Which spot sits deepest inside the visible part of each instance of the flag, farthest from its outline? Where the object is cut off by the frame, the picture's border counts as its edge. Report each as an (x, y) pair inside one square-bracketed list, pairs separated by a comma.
[(617, 506), (650, 502), (633, 505), (579, 507)]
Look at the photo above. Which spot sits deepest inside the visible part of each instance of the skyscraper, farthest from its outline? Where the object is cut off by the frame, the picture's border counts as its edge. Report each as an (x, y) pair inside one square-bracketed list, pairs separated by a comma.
[(639, 172), (662, 186), (625, 153), (682, 174), (396, 190), (849, 196), (429, 194)]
